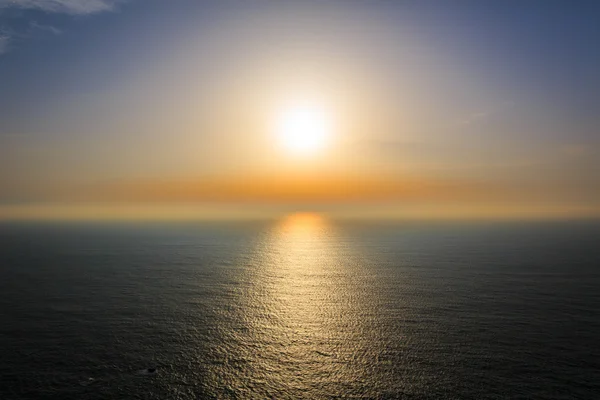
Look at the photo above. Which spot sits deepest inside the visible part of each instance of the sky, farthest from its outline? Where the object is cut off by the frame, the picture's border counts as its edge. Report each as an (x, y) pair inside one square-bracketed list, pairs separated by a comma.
[(434, 109)]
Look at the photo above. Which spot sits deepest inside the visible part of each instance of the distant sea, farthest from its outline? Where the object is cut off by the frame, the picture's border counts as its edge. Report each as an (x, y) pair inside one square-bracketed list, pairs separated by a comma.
[(300, 308)]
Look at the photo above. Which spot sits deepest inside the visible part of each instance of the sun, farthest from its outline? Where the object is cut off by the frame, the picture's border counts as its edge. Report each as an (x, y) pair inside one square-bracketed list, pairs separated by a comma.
[(303, 129)]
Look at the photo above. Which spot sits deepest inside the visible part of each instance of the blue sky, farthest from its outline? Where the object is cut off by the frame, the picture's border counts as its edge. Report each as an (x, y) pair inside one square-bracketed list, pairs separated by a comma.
[(469, 93)]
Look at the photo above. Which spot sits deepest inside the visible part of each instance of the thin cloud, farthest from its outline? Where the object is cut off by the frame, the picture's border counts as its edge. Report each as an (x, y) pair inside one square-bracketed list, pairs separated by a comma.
[(73, 7), (483, 116), (4, 42), (9, 34), (475, 118), (33, 25)]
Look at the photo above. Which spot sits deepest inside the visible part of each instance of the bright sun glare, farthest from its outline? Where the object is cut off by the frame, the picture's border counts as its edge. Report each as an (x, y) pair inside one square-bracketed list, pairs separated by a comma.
[(303, 129)]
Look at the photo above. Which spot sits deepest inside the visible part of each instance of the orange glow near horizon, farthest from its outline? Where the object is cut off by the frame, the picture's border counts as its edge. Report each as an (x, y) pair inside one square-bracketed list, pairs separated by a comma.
[(282, 189)]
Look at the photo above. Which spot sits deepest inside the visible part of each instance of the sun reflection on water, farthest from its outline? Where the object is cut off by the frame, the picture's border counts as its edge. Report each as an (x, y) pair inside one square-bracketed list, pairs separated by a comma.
[(302, 240), (303, 223), (303, 310)]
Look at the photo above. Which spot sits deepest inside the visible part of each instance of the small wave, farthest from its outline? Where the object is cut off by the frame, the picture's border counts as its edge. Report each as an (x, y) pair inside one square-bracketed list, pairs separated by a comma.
[(148, 371)]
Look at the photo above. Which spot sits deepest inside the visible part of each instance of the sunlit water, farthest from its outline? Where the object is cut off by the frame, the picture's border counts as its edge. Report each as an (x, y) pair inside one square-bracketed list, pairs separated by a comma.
[(302, 307)]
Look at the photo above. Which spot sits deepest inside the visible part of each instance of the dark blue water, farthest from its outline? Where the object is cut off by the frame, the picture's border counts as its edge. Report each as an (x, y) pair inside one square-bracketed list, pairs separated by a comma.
[(300, 308)]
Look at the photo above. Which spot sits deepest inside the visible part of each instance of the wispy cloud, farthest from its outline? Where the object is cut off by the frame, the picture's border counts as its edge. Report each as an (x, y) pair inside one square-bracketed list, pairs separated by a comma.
[(475, 118), (8, 32), (483, 116), (4, 41), (33, 25), (74, 7)]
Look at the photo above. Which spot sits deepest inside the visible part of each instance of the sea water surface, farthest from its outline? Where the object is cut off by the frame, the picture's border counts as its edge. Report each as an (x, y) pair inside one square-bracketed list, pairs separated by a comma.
[(300, 308)]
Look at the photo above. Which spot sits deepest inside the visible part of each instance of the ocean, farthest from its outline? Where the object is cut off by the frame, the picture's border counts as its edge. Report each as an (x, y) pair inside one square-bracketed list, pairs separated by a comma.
[(300, 308)]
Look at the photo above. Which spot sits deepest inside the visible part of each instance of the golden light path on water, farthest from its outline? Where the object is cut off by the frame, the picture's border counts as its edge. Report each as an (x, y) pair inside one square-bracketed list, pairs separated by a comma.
[(308, 317)]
